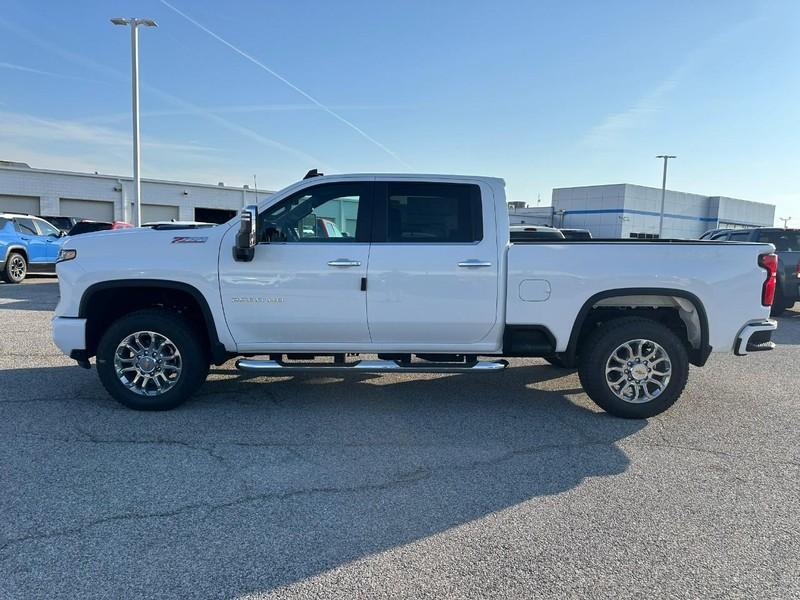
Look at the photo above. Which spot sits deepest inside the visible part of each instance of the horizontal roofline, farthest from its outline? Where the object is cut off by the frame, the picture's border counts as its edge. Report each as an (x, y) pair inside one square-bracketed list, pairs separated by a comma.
[(129, 178)]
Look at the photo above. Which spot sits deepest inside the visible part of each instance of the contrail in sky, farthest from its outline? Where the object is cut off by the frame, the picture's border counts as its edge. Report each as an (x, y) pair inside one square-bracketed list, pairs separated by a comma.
[(306, 95), (174, 100)]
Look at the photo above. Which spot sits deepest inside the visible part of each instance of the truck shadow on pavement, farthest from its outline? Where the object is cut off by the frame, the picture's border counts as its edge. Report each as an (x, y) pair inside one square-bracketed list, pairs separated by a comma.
[(262, 483)]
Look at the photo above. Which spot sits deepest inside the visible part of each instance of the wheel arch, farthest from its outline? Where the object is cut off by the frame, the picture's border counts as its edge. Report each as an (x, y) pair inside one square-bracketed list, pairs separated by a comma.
[(160, 288), (16, 248), (697, 332)]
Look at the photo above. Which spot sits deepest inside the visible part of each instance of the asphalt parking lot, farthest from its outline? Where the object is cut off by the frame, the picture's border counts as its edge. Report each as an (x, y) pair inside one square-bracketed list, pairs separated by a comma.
[(509, 485)]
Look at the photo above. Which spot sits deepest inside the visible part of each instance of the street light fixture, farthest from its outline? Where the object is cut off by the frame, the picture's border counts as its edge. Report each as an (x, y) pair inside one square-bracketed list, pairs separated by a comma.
[(137, 182), (666, 157)]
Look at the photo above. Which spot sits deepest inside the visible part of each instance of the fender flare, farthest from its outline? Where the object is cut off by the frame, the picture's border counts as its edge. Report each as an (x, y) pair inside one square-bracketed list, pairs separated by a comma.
[(698, 356)]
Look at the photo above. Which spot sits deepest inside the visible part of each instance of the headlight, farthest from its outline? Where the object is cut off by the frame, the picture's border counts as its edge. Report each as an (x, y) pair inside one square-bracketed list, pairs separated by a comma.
[(66, 254)]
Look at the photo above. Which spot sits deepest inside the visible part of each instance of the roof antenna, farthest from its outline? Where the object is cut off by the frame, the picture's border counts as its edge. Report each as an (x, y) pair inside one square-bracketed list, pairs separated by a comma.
[(313, 173)]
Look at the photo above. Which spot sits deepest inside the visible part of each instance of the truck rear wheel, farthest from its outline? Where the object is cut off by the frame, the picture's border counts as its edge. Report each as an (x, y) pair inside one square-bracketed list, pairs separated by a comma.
[(152, 359), (633, 368)]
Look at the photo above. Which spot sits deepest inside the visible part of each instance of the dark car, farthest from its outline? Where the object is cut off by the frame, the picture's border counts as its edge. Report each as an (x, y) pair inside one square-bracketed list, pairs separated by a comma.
[(92, 226), (534, 233), (62, 223), (577, 234), (787, 246), (713, 233)]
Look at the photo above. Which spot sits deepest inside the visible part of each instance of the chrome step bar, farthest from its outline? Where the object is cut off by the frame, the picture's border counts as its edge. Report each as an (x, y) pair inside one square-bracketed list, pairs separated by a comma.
[(369, 366)]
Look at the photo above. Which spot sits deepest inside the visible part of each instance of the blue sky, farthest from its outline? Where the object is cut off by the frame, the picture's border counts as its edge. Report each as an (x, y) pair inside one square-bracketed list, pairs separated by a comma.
[(544, 94)]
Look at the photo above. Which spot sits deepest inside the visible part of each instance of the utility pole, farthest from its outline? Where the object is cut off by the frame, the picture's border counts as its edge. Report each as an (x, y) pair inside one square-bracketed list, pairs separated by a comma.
[(666, 157), (785, 221), (134, 24)]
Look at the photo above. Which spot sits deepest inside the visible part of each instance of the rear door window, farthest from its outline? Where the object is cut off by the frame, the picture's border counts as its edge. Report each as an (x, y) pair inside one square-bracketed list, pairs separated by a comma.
[(739, 236), (25, 226), (784, 241), (433, 213)]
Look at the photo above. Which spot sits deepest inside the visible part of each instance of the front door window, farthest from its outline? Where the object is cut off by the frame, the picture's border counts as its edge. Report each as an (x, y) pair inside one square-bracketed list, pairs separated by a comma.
[(333, 212)]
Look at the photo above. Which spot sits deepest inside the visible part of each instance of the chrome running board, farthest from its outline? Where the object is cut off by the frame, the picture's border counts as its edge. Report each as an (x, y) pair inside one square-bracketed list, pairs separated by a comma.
[(369, 366)]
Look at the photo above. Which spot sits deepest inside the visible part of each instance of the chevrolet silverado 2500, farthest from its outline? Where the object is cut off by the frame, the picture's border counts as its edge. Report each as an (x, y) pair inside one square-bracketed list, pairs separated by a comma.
[(418, 270)]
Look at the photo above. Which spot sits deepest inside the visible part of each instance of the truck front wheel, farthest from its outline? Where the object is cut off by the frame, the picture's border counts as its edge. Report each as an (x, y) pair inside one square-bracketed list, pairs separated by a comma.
[(633, 368), (152, 359)]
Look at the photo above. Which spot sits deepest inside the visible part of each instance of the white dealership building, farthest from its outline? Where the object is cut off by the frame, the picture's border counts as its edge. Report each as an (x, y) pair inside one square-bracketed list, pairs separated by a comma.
[(100, 197), (617, 211), (624, 210)]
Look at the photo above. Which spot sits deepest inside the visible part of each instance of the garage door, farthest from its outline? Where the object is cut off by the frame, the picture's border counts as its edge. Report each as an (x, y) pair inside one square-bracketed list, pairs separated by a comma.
[(158, 212), (27, 205), (93, 210)]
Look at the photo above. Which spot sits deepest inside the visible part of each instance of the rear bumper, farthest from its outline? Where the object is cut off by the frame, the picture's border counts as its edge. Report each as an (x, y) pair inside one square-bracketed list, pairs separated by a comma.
[(69, 334), (755, 337)]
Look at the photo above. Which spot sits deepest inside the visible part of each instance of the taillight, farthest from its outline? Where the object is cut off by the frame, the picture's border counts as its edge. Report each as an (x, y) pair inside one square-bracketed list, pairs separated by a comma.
[(797, 271), (770, 263)]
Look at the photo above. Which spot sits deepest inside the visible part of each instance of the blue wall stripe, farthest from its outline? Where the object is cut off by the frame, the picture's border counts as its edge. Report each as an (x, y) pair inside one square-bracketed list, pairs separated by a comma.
[(638, 212)]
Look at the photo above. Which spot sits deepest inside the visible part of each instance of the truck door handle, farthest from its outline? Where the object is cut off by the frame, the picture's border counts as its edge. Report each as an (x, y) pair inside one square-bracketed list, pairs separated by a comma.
[(474, 263), (344, 262)]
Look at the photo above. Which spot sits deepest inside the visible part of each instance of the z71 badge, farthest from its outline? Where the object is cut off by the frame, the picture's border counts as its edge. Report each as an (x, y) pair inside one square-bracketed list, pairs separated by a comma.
[(189, 240)]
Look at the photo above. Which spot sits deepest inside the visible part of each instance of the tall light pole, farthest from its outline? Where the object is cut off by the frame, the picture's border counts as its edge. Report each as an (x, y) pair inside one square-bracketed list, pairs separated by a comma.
[(785, 221), (666, 157), (137, 181)]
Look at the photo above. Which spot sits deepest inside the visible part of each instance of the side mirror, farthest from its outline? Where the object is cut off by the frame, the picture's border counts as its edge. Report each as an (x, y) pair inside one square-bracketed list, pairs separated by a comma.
[(245, 248)]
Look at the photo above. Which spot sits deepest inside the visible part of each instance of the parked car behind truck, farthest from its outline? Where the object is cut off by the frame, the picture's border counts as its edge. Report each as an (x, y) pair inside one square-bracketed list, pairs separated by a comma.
[(429, 281), (28, 244), (787, 247)]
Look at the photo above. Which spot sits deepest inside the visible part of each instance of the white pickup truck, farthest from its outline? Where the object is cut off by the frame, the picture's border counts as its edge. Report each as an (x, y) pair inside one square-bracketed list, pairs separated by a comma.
[(416, 269)]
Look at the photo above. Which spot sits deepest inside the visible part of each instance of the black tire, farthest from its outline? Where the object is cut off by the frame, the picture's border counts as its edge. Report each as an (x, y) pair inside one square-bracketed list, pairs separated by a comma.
[(16, 268), (558, 361), (185, 338), (605, 340)]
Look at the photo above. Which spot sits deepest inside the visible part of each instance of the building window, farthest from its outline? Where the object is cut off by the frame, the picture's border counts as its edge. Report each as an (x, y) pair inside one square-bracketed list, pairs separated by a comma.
[(644, 236)]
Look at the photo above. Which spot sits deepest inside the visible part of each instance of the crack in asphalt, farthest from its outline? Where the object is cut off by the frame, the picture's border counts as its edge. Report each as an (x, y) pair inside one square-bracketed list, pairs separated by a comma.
[(405, 478)]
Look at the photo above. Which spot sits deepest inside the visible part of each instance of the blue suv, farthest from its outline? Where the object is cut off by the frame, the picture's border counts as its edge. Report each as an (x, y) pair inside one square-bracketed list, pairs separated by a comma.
[(27, 245)]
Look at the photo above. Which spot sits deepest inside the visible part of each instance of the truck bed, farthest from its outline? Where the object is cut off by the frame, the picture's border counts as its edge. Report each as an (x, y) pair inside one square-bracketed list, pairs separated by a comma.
[(551, 283)]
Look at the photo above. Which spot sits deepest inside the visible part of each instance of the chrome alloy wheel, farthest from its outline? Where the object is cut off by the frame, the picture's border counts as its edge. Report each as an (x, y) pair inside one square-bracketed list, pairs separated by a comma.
[(16, 267), (638, 371), (148, 363)]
